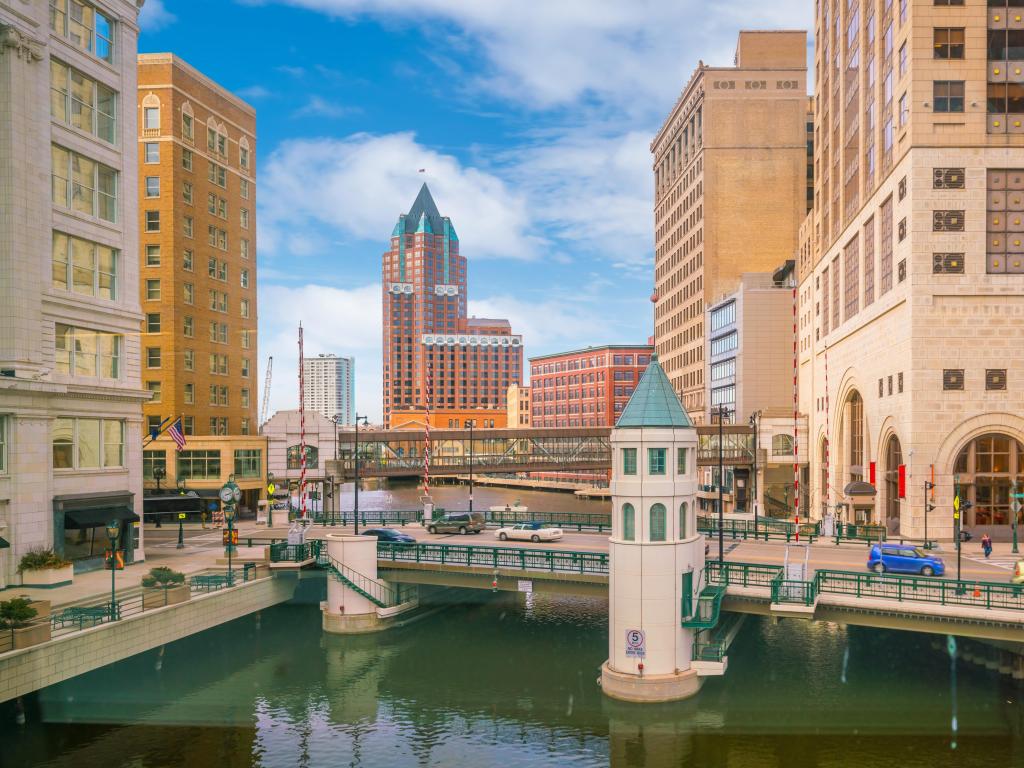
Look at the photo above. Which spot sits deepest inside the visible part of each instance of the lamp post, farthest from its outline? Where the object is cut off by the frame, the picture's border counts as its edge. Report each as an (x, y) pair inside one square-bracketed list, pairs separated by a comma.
[(928, 507), (755, 420), (355, 502), (1015, 510), (181, 521), (334, 420), (471, 423), (113, 528), (230, 495), (159, 473), (270, 500), (721, 482)]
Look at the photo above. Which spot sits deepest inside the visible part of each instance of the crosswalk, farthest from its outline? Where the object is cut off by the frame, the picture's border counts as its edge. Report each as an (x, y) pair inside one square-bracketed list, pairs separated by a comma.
[(1005, 562)]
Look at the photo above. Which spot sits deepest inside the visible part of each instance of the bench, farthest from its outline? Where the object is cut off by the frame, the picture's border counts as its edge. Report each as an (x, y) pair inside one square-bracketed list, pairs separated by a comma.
[(209, 582), (80, 614)]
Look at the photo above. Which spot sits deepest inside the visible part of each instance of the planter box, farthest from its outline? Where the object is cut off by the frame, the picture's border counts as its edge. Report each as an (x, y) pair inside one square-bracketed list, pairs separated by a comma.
[(42, 608), (48, 577), (158, 597), (33, 634)]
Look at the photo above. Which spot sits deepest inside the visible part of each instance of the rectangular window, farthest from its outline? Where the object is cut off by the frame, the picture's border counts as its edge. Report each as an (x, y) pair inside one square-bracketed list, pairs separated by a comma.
[(153, 322), (152, 255), (245, 249), (245, 425), (629, 461), (246, 339), (245, 367), (851, 273), (154, 390), (153, 290), (189, 360), (187, 127), (245, 397), (83, 185), (188, 425), (903, 60), (187, 260), (243, 188), (87, 443), (656, 461), (188, 293), (244, 307), (152, 357), (151, 118), (85, 26), (243, 157), (152, 221), (188, 328), (835, 292), (86, 353), (151, 460), (186, 159), (151, 152), (190, 394), (244, 218), (948, 95), (84, 267), (186, 192), (217, 174), (869, 261), (248, 463), (903, 112), (949, 42), (885, 252), (199, 465), (81, 102), (725, 343), (680, 461), (187, 226), (244, 277)]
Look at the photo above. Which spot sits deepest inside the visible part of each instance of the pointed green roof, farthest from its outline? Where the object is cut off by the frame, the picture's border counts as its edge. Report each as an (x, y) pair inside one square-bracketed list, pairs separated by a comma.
[(424, 225), (654, 403)]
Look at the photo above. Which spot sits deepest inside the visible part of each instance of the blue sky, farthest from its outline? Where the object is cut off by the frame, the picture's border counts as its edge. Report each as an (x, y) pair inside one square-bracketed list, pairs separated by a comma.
[(532, 119)]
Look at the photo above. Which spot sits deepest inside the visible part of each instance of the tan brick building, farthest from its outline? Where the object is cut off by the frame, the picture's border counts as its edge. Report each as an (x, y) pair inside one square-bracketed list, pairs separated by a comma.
[(912, 264), (197, 254), (730, 178)]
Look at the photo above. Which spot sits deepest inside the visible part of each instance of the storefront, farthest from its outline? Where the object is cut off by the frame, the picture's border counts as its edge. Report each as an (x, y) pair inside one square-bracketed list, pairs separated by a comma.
[(80, 527)]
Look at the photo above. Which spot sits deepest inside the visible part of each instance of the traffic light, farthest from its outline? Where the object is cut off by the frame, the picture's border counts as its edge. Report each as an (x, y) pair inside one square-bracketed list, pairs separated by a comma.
[(928, 506)]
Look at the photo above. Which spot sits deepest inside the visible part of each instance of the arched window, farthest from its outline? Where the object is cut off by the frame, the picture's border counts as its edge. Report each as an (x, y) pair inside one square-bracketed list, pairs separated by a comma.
[(628, 523), (657, 522), (151, 115), (782, 445), (893, 459), (856, 447), (684, 510), (987, 468), (294, 457), (824, 476), (188, 120)]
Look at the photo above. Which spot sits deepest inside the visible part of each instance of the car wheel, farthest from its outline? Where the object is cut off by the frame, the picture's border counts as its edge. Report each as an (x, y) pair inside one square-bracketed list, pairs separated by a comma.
[(927, 571), (462, 530), (503, 536), (535, 538), (879, 568), (432, 529)]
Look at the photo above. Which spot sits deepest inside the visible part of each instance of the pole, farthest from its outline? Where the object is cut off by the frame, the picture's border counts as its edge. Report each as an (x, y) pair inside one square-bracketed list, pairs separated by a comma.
[(181, 532), (472, 423), (721, 482), (113, 570), (355, 513), (231, 573), (755, 420), (956, 528), (1015, 508)]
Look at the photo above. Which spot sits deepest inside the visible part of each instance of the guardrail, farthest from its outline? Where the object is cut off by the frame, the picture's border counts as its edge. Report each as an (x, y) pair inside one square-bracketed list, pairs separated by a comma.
[(368, 517), (577, 520), (496, 557), (741, 574), (794, 591), (283, 552), (923, 589), (763, 528)]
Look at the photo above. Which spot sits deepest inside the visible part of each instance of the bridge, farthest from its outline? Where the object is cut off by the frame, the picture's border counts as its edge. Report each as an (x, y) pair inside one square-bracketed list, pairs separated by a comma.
[(399, 452)]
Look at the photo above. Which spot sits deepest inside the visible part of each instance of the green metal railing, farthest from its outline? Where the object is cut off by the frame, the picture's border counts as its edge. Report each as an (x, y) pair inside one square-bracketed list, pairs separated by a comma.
[(712, 644), (283, 552), (924, 589), (794, 591), (741, 574), (866, 533), (496, 557), (709, 604), (577, 520), (377, 592), (368, 517), (764, 528)]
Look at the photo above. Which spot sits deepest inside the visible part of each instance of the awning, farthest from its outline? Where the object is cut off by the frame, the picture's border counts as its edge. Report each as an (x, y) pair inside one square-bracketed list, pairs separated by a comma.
[(169, 504), (94, 517), (4, 544), (859, 488)]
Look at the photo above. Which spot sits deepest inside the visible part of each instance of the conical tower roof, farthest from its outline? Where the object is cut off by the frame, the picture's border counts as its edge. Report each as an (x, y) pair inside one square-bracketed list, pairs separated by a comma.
[(654, 403), (424, 206)]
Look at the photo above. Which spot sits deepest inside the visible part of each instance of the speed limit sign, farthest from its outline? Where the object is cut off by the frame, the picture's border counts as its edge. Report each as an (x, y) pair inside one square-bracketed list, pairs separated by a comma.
[(636, 643)]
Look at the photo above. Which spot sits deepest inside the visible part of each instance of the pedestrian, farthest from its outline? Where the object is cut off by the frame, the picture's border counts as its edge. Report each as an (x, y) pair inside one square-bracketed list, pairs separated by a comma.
[(986, 545)]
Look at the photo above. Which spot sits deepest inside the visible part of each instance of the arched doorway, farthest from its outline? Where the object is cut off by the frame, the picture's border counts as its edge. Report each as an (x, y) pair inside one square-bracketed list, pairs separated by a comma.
[(986, 470), (893, 460), (823, 477), (855, 445)]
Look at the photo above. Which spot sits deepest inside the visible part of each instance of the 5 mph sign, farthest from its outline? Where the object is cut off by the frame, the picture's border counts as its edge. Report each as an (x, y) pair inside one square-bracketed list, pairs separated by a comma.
[(636, 643)]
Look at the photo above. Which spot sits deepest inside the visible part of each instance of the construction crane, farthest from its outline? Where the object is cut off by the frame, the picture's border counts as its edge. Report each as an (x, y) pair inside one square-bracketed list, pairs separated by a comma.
[(266, 392)]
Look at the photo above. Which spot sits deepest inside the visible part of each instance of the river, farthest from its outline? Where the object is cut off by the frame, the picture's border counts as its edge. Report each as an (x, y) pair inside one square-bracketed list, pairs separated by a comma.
[(509, 681)]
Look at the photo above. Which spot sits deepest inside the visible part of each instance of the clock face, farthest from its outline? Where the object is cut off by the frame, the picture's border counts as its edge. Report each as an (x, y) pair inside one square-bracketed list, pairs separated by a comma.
[(226, 495)]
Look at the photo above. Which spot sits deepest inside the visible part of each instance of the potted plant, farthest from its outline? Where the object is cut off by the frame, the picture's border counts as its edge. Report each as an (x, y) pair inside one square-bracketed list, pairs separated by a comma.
[(45, 568), (16, 616), (163, 586)]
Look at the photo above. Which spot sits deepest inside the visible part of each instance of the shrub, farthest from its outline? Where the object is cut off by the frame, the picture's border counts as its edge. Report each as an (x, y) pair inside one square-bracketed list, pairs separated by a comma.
[(16, 612), (38, 559), (163, 577)]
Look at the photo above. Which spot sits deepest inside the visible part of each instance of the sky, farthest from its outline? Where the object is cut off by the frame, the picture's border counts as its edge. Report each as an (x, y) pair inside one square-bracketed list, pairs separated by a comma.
[(532, 119)]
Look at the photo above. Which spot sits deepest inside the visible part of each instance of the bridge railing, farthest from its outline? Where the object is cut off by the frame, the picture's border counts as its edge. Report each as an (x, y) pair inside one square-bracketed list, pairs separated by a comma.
[(283, 552), (763, 528), (794, 591), (925, 589), (742, 574), (495, 557), (577, 520), (368, 517)]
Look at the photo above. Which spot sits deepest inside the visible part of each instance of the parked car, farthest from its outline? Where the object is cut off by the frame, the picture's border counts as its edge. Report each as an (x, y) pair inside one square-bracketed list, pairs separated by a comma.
[(1018, 573), (458, 522), (390, 535), (528, 532), (905, 558)]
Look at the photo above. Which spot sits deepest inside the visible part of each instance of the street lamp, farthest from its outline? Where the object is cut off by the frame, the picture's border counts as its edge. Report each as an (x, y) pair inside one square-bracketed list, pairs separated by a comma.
[(755, 422), (270, 500), (230, 495), (722, 411), (355, 512), (159, 473), (471, 423), (334, 419), (181, 518), (113, 529)]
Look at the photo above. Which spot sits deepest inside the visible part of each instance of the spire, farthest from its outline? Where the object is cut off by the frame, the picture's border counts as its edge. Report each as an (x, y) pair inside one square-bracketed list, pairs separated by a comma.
[(399, 227), (654, 403), (424, 205), (424, 225)]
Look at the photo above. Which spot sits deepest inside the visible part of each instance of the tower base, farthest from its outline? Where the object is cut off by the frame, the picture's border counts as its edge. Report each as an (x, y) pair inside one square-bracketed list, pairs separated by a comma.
[(649, 689)]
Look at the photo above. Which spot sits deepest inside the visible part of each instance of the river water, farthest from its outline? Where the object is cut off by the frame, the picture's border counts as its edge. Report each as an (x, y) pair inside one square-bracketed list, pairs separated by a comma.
[(509, 681)]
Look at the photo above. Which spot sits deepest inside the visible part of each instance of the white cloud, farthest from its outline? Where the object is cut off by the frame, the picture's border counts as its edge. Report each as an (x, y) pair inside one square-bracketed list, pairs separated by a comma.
[(358, 186), (154, 16), (317, 106), (544, 53), (340, 321), (253, 92)]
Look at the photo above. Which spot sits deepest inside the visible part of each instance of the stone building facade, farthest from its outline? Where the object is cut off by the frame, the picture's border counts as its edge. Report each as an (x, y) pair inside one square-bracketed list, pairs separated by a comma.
[(70, 395), (912, 263)]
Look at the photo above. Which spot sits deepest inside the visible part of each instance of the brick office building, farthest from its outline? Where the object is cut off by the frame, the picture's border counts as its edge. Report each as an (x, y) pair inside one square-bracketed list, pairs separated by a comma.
[(436, 358)]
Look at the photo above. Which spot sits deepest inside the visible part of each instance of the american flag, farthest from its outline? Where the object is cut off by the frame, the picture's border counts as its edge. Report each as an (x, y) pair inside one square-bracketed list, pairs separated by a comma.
[(176, 434)]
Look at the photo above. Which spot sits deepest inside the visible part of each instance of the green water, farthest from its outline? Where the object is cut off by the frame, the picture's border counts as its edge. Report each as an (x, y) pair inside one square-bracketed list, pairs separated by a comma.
[(509, 681)]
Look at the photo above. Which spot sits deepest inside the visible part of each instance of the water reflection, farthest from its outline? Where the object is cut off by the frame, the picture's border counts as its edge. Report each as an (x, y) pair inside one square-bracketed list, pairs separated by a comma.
[(510, 680)]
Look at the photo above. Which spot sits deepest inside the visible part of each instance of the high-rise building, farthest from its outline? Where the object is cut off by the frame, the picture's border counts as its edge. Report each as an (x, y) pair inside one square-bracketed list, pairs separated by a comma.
[(329, 382), (436, 358), (197, 215), (70, 398), (585, 387), (730, 170), (911, 317)]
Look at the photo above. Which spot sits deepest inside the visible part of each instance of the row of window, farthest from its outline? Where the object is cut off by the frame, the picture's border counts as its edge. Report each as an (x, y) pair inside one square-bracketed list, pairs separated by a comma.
[(85, 26), (656, 529), (954, 378), (204, 464), (218, 425), (588, 362), (83, 185), (87, 443), (656, 461)]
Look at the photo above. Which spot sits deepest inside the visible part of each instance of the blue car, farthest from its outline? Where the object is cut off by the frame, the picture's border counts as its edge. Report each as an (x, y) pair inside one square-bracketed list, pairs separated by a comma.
[(904, 558), (389, 535)]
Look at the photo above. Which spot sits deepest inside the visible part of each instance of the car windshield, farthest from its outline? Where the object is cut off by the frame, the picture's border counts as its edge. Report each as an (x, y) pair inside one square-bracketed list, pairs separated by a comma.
[(922, 552)]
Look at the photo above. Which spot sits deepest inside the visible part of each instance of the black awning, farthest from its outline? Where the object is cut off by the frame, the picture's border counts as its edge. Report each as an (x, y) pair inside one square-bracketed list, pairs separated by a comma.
[(94, 517), (168, 504), (859, 488), (4, 544)]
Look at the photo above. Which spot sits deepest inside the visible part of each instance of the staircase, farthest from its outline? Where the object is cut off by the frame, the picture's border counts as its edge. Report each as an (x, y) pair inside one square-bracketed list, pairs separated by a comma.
[(709, 605), (377, 592)]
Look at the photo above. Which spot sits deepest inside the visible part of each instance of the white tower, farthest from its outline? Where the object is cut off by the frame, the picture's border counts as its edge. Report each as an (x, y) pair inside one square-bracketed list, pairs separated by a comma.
[(656, 554)]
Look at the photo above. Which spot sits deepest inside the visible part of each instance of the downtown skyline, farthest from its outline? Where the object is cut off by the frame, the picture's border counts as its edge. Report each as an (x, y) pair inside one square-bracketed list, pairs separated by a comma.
[(539, 172)]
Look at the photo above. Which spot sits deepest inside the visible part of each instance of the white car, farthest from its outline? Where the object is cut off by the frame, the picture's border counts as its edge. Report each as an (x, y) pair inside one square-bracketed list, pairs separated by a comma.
[(528, 532)]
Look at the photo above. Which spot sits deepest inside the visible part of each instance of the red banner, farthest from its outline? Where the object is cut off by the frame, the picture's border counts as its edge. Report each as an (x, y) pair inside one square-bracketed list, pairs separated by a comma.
[(902, 475), (871, 473)]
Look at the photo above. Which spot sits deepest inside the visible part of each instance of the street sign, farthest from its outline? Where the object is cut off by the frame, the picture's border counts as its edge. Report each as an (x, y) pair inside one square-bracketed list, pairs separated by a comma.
[(116, 562), (181, 515), (956, 507), (270, 488), (525, 586), (636, 643)]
